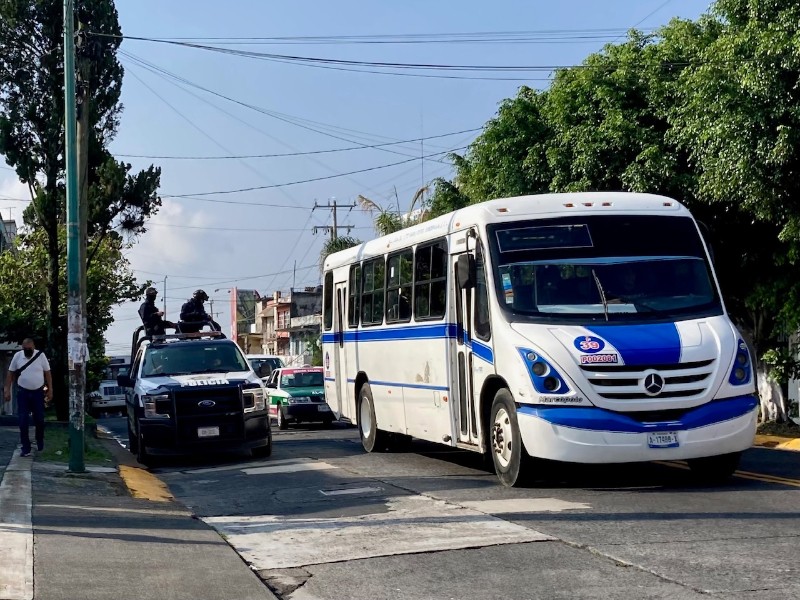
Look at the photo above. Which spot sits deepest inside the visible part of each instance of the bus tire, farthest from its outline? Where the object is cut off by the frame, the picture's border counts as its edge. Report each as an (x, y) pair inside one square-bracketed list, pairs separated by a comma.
[(511, 461), (715, 469), (372, 438)]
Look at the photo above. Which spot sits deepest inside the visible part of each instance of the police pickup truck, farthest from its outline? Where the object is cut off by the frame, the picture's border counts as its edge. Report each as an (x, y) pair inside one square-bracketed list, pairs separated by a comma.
[(190, 392)]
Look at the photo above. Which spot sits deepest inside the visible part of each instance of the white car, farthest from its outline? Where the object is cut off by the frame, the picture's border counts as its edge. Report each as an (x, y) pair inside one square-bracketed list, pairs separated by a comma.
[(265, 364)]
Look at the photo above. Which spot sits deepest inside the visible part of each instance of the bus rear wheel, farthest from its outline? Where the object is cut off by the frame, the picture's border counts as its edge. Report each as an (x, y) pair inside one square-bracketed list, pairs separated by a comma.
[(511, 461), (372, 438)]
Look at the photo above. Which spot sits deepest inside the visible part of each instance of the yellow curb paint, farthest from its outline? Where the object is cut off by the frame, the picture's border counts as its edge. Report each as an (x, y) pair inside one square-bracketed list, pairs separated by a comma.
[(145, 485), (777, 442)]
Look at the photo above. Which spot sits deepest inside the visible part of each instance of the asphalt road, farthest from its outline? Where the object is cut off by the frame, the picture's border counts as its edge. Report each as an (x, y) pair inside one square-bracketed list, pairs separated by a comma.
[(321, 519)]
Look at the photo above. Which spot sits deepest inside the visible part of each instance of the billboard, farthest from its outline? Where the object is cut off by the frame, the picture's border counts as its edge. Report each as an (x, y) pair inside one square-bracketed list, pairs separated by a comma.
[(243, 311)]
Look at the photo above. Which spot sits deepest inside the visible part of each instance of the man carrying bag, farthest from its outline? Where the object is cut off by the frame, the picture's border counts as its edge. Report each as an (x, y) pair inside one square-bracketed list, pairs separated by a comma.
[(30, 370)]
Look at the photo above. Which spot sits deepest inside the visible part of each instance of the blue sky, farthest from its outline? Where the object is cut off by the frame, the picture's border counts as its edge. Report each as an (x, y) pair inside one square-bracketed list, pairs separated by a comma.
[(217, 245)]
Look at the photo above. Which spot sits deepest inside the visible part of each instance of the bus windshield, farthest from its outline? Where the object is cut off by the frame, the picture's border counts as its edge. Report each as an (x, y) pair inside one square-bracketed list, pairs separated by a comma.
[(604, 268)]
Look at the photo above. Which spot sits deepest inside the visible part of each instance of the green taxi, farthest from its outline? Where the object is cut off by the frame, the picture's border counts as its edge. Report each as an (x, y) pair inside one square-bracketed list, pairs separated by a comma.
[(297, 395)]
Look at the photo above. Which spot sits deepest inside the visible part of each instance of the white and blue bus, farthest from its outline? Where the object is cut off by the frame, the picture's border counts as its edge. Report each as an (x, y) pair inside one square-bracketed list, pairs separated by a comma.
[(585, 328)]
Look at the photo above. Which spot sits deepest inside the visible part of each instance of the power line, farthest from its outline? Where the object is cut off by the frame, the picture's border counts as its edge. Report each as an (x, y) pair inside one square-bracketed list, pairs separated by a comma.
[(306, 153), (313, 179), (238, 229), (290, 119)]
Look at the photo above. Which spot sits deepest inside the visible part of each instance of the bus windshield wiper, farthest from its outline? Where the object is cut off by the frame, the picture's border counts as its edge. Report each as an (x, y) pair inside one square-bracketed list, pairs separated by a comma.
[(602, 293)]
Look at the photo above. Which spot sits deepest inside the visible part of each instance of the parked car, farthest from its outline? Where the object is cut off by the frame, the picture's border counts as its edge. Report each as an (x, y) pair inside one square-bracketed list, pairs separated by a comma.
[(297, 395), (265, 364)]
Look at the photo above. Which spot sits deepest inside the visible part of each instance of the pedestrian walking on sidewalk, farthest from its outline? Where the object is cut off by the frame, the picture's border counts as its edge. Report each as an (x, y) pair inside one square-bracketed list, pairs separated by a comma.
[(30, 371)]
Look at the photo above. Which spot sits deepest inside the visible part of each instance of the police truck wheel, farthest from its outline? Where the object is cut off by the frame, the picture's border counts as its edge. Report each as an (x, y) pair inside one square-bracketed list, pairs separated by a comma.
[(714, 469), (282, 422), (372, 438), (505, 444), (133, 441)]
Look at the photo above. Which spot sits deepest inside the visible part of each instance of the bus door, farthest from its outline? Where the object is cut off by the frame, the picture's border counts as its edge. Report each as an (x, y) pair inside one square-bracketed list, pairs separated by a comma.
[(339, 354), (464, 289)]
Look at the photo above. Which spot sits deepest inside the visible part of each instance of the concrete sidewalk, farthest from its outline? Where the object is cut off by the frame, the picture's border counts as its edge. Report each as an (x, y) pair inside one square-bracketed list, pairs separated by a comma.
[(91, 539)]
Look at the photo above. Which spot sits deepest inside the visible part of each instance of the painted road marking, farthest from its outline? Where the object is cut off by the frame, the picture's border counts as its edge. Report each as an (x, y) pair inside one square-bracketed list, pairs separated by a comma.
[(16, 531), (763, 477), (523, 505), (293, 468), (250, 465), (360, 490), (412, 524)]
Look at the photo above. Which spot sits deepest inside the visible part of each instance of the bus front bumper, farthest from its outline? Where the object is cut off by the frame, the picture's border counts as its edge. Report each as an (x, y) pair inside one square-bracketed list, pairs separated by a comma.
[(596, 435)]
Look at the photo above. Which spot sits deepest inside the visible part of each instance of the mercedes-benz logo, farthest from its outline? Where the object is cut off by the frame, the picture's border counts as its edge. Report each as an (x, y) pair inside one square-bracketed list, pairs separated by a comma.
[(653, 384)]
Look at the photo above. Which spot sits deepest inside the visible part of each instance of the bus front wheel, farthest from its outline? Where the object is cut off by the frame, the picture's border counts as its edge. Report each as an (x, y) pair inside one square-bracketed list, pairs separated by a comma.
[(511, 461), (372, 438)]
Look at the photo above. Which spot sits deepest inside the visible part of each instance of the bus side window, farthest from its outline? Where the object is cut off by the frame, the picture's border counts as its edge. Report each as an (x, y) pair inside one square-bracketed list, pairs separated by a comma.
[(327, 301), (354, 296), (483, 328), (430, 281), (398, 287), (372, 298)]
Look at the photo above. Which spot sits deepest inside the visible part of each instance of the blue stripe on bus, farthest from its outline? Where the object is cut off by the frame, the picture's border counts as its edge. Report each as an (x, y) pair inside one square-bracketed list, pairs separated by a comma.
[(599, 419), (482, 351), (650, 344), (420, 386), (414, 332)]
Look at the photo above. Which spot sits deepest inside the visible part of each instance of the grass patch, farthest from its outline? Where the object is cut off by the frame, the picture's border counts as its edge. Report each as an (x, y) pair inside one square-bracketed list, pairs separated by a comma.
[(56, 447), (789, 429)]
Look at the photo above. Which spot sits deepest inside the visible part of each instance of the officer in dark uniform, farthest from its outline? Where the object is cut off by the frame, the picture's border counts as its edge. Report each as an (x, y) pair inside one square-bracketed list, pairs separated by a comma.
[(152, 318), (193, 314)]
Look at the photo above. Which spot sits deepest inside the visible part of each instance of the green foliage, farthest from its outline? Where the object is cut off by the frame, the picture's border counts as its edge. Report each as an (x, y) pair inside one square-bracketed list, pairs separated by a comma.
[(314, 348), (337, 244), (705, 111), (782, 364), (32, 142), (24, 287)]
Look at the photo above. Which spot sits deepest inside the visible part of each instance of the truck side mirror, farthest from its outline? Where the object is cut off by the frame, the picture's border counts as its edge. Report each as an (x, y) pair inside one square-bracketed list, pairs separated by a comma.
[(466, 271), (124, 381)]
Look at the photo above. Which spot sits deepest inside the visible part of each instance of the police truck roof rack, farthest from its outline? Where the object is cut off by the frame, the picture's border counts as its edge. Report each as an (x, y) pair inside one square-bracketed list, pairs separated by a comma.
[(214, 333)]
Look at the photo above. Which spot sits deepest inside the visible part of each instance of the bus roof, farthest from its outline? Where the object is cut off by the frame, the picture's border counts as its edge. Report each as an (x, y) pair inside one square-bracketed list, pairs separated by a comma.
[(511, 209)]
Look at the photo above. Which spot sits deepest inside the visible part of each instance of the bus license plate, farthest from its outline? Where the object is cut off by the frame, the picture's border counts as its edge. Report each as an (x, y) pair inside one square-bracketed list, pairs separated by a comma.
[(323, 408), (205, 432), (663, 439)]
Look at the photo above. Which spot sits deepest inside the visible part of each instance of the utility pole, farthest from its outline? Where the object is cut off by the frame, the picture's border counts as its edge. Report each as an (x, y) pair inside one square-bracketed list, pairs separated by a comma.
[(76, 275), (333, 229)]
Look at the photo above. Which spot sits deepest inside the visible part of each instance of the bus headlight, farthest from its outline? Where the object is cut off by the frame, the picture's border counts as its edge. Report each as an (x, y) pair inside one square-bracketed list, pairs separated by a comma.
[(155, 405), (253, 400), (545, 379), (742, 367)]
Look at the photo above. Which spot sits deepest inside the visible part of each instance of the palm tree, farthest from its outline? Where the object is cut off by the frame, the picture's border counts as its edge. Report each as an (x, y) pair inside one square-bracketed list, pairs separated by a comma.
[(336, 244), (387, 220)]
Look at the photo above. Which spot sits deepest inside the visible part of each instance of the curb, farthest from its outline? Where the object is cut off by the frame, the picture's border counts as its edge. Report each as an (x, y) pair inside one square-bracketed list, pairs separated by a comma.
[(143, 484), (777, 442)]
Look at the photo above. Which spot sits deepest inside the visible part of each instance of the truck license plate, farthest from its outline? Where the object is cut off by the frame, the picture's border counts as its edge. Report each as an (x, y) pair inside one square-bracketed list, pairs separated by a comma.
[(663, 439), (323, 408), (205, 432)]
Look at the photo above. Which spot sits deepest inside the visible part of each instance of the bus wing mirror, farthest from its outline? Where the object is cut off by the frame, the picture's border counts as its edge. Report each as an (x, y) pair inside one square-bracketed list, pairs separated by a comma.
[(466, 271), (124, 381)]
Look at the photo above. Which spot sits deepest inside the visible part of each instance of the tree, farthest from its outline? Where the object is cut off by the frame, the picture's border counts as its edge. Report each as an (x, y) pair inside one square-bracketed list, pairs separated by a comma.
[(336, 244), (24, 289), (703, 111), (32, 141)]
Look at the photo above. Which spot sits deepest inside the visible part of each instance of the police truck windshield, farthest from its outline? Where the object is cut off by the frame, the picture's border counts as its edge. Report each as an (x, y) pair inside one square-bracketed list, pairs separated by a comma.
[(603, 268), (194, 358)]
